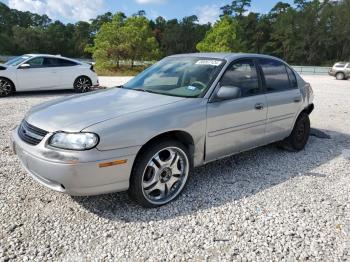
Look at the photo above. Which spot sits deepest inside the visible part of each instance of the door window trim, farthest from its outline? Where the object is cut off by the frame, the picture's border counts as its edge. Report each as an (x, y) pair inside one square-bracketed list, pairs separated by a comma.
[(218, 85), (264, 79)]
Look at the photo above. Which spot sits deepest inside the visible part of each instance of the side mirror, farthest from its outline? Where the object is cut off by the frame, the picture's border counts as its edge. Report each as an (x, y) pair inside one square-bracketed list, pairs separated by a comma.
[(24, 66), (228, 92)]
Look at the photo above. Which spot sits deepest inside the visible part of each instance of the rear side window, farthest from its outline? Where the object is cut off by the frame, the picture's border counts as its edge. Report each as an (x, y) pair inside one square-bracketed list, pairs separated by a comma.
[(339, 65), (242, 74), (50, 62), (292, 78), (348, 65), (276, 77), (64, 62)]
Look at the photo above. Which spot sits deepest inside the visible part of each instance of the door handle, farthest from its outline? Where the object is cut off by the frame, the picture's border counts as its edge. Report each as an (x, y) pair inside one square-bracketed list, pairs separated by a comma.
[(297, 99), (259, 106)]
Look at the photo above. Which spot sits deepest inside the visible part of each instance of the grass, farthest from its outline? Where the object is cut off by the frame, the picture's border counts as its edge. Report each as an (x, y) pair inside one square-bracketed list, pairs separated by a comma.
[(122, 71)]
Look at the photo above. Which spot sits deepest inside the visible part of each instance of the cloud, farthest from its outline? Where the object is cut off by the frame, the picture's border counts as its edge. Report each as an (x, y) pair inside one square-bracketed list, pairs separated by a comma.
[(150, 1), (207, 13), (71, 10)]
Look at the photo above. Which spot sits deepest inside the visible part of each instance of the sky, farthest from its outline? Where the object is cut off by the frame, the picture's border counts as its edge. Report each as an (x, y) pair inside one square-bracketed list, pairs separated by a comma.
[(71, 11)]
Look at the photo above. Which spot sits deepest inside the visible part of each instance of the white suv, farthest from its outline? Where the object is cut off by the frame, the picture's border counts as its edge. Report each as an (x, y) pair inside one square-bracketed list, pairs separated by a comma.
[(45, 72)]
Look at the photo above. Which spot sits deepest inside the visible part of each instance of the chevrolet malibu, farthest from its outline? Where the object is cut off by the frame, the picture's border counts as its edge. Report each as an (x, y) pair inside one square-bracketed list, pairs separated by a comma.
[(34, 72), (147, 136)]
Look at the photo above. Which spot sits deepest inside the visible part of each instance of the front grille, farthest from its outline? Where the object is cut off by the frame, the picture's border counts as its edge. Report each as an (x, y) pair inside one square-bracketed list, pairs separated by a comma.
[(31, 134)]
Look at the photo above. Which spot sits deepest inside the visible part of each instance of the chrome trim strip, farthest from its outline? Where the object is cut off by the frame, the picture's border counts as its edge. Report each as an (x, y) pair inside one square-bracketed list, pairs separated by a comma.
[(236, 128)]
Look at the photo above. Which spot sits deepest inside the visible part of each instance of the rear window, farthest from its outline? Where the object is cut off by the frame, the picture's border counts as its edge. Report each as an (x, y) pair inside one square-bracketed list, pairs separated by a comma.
[(276, 76), (340, 65)]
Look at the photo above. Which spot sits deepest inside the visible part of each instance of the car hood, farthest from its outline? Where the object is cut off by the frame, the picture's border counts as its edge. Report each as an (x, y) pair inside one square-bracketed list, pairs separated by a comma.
[(78, 112)]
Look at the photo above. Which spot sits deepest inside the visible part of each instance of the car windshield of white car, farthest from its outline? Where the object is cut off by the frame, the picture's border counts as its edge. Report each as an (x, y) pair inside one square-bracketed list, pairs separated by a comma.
[(178, 76), (17, 60)]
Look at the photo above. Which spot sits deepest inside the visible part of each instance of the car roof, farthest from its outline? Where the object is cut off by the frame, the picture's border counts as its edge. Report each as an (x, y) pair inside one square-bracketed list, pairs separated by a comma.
[(227, 56), (54, 56)]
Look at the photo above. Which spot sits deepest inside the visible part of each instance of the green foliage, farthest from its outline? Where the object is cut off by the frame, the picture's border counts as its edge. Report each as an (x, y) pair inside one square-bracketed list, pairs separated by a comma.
[(222, 37), (310, 32), (124, 39)]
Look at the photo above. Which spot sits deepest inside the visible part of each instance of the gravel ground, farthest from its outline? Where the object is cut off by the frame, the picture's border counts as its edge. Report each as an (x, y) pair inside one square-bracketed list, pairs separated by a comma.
[(262, 205)]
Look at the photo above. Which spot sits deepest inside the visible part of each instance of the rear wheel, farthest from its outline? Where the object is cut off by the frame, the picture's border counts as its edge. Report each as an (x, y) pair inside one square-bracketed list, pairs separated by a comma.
[(160, 173), (300, 134), (6, 87), (340, 76), (82, 84)]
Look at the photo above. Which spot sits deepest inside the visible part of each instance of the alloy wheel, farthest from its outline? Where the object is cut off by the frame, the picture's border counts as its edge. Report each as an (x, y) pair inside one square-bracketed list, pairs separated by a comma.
[(165, 175), (5, 87), (83, 84)]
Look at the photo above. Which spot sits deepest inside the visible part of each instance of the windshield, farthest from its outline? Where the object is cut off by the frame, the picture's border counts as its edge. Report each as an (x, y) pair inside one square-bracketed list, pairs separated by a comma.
[(178, 76), (17, 60)]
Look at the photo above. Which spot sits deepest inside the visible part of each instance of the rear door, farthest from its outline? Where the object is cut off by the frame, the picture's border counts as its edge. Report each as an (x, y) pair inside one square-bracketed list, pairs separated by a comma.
[(68, 72), (347, 70), (283, 98), (41, 75), (238, 124)]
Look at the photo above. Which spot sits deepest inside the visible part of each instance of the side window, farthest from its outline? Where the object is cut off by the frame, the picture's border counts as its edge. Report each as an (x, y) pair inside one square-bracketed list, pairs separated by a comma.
[(36, 62), (242, 74), (348, 65), (50, 62), (292, 78), (276, 77), (64, 62)]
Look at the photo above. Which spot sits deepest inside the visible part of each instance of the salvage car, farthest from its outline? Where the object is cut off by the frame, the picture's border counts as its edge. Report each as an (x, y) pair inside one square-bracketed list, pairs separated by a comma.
[(36, 72), (146, 136)]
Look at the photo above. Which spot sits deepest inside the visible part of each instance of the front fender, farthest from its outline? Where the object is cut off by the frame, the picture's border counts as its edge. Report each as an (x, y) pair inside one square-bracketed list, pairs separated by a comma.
[(136, 129)]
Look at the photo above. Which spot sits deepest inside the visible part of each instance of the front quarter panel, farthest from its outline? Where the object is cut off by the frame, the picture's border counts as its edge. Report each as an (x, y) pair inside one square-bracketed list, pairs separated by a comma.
[(10, 73), (136, 129)]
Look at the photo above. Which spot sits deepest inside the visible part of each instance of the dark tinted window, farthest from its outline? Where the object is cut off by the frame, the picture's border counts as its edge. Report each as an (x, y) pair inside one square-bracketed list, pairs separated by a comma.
[(340, 65), (50, 62), (276, 77), (242, 74), (64, 62), (292, 78)]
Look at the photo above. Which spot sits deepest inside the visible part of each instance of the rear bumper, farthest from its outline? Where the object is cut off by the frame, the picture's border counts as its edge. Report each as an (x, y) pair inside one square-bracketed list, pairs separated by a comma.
[(74, 177)]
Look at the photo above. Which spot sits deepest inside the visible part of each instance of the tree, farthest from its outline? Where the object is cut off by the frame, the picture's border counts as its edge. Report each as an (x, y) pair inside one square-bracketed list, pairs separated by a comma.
[(138, 39), (236, 8), (222, 37), (109, 48)]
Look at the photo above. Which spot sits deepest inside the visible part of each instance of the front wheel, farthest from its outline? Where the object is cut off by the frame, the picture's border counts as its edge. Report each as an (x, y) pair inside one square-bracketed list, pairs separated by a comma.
[(82, 84), (160, 173), (300, 134), (6, 87)]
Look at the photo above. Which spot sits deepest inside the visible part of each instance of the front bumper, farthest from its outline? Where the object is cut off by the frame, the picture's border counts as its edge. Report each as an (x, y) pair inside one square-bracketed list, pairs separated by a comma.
[(71, 173)]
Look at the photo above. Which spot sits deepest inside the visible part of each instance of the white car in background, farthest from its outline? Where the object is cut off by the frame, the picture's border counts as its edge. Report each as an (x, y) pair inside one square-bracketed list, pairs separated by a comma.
[(34, 72)]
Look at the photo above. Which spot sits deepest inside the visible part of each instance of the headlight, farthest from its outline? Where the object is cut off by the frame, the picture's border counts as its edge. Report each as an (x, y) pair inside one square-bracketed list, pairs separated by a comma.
[(74, 141)]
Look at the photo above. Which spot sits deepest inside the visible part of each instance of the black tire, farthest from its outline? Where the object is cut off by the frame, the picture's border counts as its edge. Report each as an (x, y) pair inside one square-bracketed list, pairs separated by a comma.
[(340, 76), (6, 87), (82, 84), (300, 134), (137, 191)]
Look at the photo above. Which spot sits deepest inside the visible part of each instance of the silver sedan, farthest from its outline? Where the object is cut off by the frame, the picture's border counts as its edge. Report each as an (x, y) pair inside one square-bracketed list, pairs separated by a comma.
[(147, 136)]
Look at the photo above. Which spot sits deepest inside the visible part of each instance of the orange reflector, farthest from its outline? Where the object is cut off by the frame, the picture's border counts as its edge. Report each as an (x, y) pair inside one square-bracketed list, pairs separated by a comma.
[(113, 163)]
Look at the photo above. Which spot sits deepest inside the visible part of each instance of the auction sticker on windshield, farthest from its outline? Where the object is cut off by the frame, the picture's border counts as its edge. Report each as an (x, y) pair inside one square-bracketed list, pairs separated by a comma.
[(209, 62)]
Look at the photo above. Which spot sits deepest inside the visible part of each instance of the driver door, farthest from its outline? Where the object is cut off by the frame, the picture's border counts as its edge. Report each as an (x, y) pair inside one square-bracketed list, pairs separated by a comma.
[(238, 124), (41, 75)]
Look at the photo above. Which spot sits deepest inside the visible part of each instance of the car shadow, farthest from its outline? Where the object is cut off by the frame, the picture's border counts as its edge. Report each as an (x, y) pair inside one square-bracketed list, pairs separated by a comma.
[(239, 176), (43, 93)]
